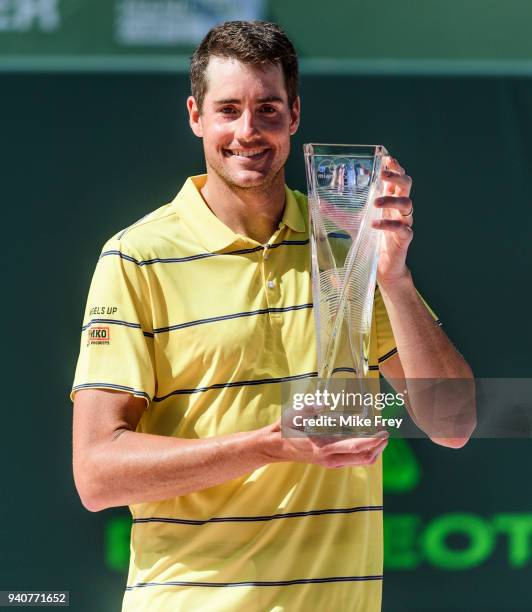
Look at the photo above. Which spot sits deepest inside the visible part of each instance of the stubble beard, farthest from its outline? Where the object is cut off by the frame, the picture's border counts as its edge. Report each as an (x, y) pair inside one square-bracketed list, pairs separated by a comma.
[(264, 187)]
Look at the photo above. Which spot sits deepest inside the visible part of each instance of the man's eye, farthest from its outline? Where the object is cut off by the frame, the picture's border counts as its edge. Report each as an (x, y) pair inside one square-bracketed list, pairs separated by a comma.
[(227, 110), (269, 109)]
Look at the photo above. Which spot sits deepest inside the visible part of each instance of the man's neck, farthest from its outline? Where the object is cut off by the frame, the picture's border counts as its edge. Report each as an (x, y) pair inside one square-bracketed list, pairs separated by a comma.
[(254, 213)]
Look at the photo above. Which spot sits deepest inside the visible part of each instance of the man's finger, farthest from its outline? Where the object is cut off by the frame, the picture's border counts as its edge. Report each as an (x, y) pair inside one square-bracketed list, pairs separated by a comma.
[(277, 425), (393, 165), (402, 181), (402, 228), (356, 445), (400, 203), (363, 458)]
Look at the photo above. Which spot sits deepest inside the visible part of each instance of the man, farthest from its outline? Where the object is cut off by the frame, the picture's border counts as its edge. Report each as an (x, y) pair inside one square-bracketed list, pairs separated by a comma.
[(195, 315)]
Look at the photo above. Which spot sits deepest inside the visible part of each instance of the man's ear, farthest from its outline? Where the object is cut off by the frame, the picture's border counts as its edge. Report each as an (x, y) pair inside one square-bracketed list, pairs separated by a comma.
[(295, 116), (194, 117)]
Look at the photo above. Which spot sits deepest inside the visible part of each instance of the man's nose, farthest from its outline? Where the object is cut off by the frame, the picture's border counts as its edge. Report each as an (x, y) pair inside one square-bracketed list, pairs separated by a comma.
[(247, 126)]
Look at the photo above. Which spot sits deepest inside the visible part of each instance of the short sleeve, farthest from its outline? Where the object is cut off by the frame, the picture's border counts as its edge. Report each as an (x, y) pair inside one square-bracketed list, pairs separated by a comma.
[(386, 346), (116, 350)]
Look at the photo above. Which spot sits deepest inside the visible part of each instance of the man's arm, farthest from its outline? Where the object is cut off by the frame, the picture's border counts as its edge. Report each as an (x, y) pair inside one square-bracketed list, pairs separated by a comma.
[(425, 352), (425, 349), (115, 466)]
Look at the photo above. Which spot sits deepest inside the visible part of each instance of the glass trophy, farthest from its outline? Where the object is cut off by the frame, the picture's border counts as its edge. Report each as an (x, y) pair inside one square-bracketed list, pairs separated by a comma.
[(343, 182)]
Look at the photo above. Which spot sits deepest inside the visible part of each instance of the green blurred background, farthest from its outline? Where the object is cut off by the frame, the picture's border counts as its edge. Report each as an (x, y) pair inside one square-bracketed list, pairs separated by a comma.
[(94, 134)]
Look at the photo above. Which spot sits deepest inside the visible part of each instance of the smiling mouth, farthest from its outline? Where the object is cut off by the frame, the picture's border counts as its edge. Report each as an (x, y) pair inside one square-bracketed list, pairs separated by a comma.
[(254, 154)]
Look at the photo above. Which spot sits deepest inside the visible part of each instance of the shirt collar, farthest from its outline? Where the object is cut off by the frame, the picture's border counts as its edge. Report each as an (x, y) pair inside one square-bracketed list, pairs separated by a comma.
[(292, 215), (209, 230)]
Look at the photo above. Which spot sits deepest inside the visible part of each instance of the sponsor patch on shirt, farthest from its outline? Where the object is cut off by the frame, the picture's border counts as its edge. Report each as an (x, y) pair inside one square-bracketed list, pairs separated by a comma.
[(98, 335)]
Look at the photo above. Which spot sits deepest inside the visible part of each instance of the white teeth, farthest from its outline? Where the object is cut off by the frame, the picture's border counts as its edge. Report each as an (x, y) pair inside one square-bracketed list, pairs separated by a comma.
[(248, 153)]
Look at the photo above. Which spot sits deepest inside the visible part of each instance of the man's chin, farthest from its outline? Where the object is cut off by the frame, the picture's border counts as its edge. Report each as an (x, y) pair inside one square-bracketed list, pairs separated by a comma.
[(250, 180), (247, 178)]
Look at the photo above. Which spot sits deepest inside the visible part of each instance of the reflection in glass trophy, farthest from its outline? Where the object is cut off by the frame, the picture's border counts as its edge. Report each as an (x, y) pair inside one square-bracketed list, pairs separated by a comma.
[(343, 182)]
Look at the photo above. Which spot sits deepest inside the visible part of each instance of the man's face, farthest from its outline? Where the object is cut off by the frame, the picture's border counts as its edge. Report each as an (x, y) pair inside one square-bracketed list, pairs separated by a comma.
[(245, 123)]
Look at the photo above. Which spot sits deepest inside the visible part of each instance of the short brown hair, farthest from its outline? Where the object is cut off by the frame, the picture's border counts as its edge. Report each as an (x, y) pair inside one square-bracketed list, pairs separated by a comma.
[(251, 42)]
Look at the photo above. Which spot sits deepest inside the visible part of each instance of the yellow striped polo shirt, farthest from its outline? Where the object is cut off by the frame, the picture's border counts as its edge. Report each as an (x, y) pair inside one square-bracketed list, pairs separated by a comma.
[(205, 324)]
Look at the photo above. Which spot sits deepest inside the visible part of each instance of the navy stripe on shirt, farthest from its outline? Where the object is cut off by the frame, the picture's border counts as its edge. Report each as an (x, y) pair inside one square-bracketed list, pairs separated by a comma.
[(111, 322), (261, 583), (106, 385), (268, 517), (236, 315), (164, 260)]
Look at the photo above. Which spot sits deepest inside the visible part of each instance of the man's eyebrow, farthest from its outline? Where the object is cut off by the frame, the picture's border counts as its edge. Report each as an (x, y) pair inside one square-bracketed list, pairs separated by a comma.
[(228, 101), (264, 100), (270, 99)]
